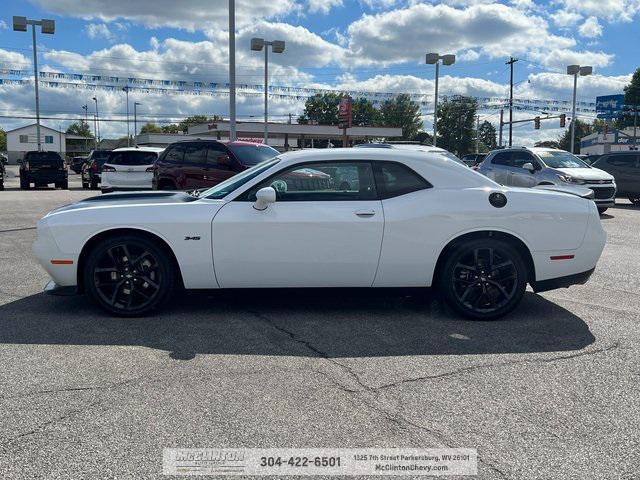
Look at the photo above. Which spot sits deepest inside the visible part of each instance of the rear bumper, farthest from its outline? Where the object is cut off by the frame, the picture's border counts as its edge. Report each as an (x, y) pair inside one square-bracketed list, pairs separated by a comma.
[(562, 282), (45, 177)]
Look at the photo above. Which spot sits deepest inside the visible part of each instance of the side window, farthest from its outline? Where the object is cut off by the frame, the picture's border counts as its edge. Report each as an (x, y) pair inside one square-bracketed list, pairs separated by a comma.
[(174, 154), (503, 158), (195, 153), (395, 179), (24, 138), (218, 157), (48, 139), (322, 181), (621, 160)]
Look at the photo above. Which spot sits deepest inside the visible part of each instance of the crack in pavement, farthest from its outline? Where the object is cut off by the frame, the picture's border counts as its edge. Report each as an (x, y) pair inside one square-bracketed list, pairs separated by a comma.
[(368, 395), (5, 446), (20, 229), (459, 371)]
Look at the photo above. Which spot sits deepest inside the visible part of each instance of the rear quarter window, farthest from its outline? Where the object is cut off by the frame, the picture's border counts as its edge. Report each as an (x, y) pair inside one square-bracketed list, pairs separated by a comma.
[(395, 179)]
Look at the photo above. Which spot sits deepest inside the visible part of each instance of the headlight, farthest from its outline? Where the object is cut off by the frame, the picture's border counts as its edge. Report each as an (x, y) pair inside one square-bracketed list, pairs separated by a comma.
[(570, 179)]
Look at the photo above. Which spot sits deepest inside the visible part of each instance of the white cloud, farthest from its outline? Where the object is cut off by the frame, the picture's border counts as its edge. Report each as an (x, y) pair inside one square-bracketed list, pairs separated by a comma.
[(611, 10), (558, 59), (323, 6), (188, 14), (591, 28), (99, 30), (14, 59), (496, 30), (564, 19)]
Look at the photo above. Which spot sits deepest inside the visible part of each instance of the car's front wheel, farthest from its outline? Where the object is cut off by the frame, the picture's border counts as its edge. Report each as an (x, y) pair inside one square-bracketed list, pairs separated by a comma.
[(483, 279), (129, 275)]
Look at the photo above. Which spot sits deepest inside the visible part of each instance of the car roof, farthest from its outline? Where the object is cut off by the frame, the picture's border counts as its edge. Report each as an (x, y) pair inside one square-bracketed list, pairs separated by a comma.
[(223, 142), (138, 149)]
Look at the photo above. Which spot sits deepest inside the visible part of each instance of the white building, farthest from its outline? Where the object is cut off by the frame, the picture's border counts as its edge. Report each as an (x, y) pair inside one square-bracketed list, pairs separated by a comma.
[(612, 141), (25, 139)]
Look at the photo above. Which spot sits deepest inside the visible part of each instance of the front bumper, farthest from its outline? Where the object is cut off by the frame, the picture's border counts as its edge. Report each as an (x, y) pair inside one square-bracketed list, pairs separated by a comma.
[(562, 282), (52, 288)]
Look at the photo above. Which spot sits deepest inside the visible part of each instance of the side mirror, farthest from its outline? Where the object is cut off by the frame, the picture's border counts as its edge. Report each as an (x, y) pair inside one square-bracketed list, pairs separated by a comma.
[(264, 197), (529, 166)]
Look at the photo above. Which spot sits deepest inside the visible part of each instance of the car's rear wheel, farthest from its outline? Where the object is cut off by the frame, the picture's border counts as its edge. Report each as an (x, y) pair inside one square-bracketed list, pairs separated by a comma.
[(129, 275), (601, 210), (24, 185), (635, 200), (94, 185), (63, 185), (85, 185), (483, 279)]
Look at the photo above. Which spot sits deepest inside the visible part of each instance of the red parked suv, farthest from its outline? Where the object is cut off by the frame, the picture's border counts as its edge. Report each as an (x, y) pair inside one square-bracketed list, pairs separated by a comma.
[(193, 164)]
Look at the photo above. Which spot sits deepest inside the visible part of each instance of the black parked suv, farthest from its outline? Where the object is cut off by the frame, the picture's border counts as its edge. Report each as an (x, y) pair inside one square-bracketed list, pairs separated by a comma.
[(3, 162), (92, 168), (42, 169), (625, 168)]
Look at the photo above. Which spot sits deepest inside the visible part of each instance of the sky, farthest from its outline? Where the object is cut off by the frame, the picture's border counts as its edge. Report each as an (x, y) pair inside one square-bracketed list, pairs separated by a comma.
[(371, 45)]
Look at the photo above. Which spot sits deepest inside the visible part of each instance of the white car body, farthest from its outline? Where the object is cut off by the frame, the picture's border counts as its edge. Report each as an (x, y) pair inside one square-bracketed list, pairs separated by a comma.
[(392, 242), (129, 175)]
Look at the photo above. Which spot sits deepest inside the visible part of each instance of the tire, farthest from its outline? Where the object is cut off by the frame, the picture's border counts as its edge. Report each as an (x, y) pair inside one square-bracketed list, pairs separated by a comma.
[(1, 186), (129, 263), (63, 185), (85, 185), (94, 185), (634, 200), (601, 210), (168, 186), (24, 185), (498, 290)]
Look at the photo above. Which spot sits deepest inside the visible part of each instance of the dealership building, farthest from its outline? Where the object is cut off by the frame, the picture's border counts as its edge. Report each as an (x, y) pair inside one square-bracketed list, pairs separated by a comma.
[(612, 141)]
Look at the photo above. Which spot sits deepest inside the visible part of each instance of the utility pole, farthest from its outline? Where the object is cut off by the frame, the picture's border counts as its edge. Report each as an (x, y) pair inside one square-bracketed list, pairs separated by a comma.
[(232, 71), (126, 91), (135, 122), (477, 133), (510, 63), (501, 125), (635, 125)]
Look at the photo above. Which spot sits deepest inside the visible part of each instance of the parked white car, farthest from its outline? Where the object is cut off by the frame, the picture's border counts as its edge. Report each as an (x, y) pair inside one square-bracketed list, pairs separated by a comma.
[(129, 168), (404, 223)]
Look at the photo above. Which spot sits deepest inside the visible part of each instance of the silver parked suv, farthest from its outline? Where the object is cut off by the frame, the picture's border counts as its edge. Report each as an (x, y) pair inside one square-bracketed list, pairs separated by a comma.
[(529, 167)]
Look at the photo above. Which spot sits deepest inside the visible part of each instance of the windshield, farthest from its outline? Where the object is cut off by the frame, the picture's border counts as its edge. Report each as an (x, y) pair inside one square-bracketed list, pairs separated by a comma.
[(250, 155), (558, 159), (225, 188)]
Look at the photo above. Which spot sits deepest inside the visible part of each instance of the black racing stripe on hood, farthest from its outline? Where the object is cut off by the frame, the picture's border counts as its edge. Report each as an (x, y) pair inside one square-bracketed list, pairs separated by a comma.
[(136, 197)]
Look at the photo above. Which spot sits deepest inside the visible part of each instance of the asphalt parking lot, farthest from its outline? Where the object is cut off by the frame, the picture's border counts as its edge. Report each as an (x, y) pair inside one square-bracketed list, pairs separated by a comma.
[(552, 391)]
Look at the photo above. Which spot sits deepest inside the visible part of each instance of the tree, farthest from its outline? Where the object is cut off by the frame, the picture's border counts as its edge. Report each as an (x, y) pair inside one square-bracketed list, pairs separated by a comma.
[(321, 109), (631, 99), (424, 137), (547, 144), (456, 125), (80, 128), (150, 128), (196, 120), (3, 140), (582, 130), (365, 114), (487, 135), (404, 113)]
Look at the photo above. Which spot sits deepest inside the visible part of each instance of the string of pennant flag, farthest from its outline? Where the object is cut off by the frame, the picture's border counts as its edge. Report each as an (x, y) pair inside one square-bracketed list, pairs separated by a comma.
[(215, 89)]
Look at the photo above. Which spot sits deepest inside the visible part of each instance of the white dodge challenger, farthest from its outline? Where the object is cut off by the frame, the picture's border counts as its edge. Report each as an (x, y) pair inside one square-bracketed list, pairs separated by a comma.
[(326, 218)]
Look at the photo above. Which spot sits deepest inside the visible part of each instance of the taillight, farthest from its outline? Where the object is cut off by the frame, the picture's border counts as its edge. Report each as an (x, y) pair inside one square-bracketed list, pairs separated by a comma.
[(108, 168), (94, 167)]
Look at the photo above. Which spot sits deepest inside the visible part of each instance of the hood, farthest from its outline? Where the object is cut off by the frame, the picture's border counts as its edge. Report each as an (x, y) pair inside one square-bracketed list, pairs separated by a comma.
[(582, 192), (586, 173), (129, 198)]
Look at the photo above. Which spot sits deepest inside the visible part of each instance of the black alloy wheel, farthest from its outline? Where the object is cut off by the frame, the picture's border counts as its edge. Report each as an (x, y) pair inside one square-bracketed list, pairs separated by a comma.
[(484, 279), (129, 275)]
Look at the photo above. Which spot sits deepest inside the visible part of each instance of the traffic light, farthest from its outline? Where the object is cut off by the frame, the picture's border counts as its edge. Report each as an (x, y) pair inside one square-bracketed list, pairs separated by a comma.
[(563, 120), (536, 123)]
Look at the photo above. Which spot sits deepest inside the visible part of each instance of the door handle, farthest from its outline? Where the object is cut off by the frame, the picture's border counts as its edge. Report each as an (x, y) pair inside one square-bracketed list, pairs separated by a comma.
[(365, 213)]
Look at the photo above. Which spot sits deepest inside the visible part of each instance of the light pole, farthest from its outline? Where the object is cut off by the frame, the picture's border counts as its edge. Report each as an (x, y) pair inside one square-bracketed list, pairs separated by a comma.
[(576, 70), (135, 121), (97, 126), (434, 58), (232, 70), (47, 26), (85, 107), (126, 90), (277, 46)]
